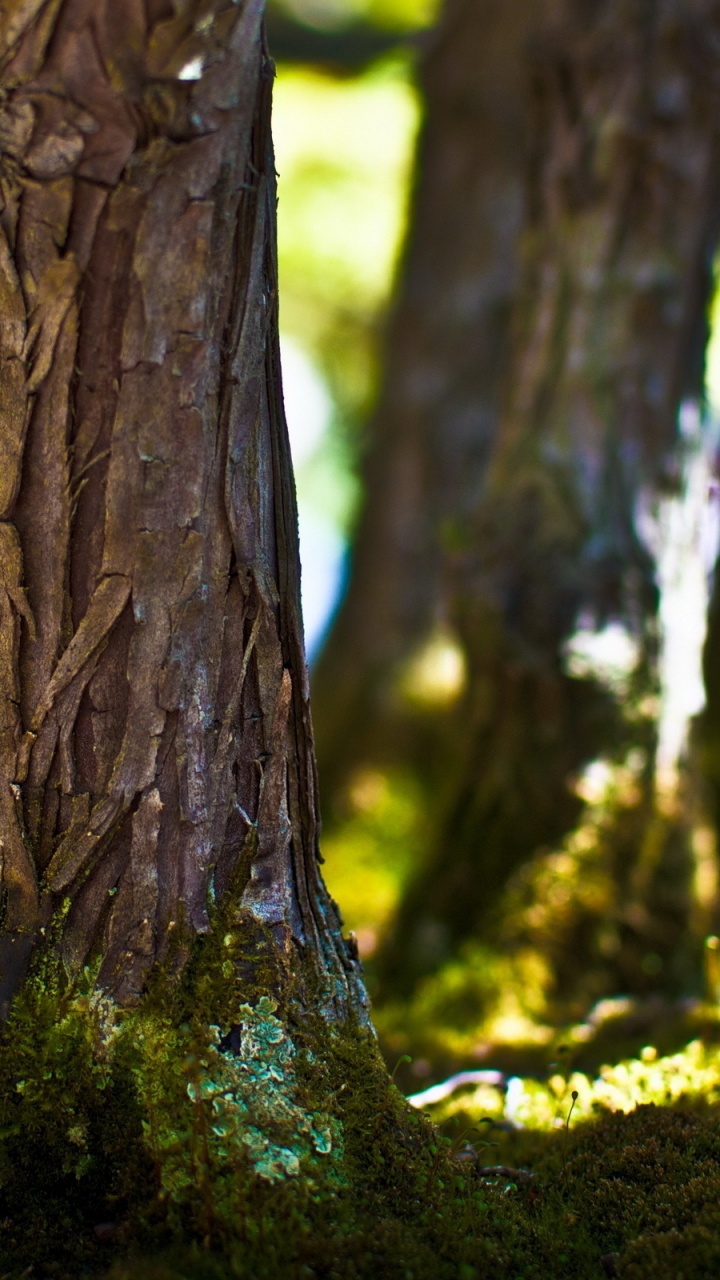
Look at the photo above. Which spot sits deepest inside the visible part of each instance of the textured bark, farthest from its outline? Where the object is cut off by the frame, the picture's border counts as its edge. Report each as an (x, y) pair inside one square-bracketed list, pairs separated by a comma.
[(437, 415), (622, 214), (156, 749)]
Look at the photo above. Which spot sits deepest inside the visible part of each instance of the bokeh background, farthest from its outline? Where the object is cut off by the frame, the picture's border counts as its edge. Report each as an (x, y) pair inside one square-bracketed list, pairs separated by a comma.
[(519, 797)]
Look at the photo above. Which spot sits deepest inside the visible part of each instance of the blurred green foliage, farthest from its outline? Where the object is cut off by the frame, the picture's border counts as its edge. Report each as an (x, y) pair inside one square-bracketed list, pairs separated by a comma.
[(343, 152), (563, 927), (392, 14), (344, 147), (369, 856)]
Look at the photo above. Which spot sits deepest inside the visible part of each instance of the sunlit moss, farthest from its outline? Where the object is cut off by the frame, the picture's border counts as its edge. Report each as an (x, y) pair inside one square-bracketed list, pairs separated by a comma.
[(201, 1159), (369, 857), (480, 998), (535, 1103)]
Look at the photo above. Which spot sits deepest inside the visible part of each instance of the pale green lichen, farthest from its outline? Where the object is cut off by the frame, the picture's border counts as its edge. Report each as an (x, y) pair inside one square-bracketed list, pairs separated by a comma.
[(246, 1104), (253, 1096)]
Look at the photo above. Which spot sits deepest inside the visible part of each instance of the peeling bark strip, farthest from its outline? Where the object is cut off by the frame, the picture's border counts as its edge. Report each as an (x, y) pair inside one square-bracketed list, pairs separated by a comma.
[(154, 715)]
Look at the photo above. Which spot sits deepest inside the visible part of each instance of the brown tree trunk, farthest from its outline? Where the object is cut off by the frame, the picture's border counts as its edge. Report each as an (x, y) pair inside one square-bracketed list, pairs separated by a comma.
[(436, 419), (622, 215), (156, 751)]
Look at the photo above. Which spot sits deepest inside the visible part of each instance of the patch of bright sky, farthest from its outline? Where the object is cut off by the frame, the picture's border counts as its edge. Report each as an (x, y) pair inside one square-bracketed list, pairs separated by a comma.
[(307, 403), (308, 408)]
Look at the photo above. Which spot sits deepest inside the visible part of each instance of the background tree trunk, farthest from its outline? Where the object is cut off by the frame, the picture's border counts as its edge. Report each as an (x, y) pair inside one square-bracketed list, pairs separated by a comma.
[(435, 422), (156, 751), (609, 331)]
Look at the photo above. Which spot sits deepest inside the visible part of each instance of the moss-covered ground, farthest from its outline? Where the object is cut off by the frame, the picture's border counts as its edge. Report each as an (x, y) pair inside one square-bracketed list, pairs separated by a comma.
[(213, 1132), (203, 1136)]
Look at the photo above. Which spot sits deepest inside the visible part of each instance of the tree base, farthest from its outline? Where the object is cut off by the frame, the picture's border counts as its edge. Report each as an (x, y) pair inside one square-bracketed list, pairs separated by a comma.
[(201, 1136)]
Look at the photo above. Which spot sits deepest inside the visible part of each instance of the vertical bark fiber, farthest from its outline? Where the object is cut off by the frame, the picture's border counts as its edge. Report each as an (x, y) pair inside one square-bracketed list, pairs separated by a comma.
[(622, 214), (155, 744)]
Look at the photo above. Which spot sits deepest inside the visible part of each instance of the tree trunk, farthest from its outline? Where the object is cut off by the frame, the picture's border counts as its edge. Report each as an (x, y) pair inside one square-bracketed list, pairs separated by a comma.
[(609, 326), (435, 423), (156, 751)]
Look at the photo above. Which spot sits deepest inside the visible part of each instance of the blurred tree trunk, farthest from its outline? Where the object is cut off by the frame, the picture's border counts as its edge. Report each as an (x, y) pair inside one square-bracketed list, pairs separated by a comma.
[(435, 422), (623, 198), (156, 751)]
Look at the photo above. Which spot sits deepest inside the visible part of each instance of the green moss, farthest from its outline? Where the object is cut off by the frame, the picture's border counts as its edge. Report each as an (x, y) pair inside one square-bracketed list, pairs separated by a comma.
[(225, 1136), (71, 1149)]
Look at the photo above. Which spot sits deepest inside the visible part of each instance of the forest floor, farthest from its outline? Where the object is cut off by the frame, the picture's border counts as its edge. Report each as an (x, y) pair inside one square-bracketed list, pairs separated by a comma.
[(155, 1153)]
